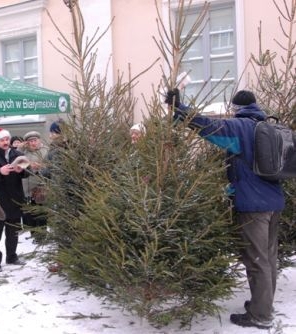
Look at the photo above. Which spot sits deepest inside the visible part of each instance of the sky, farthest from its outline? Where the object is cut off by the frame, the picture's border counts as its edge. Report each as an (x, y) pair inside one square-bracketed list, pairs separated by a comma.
[(34, 300)]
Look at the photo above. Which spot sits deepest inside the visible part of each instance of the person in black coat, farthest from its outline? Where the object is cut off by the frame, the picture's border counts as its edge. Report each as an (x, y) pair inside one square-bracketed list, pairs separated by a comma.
[(11, 196)]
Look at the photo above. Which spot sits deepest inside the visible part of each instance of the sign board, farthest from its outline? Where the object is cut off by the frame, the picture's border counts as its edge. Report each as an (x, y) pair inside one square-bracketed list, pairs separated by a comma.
[(18, 98)]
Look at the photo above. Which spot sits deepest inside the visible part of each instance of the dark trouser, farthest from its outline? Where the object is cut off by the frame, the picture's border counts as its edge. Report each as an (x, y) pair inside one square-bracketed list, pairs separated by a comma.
[(35, 221), (260, 233), (11, 238)]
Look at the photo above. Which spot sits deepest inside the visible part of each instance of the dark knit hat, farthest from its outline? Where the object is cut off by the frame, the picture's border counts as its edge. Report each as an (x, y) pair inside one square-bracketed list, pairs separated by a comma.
[(56, 127), (32, 134), (14, 138), (243, 98)]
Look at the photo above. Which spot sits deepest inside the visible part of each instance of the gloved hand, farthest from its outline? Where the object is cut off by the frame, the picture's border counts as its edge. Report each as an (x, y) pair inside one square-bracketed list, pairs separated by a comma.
[(180, 110), (173, 98), (180, 114)]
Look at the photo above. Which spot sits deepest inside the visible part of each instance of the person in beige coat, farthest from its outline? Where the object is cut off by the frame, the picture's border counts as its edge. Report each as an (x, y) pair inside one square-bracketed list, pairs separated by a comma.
[(35, 151)]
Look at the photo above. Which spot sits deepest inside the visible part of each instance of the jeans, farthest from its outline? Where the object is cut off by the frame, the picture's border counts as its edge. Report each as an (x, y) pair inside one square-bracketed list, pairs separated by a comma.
[(259, 231)]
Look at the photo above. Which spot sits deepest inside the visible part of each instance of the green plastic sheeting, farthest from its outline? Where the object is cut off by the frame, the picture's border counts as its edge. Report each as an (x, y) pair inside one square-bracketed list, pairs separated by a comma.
[(18, 98)]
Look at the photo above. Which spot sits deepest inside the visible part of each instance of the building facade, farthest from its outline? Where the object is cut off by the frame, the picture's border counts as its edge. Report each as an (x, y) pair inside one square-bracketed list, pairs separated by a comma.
[(29, 41)]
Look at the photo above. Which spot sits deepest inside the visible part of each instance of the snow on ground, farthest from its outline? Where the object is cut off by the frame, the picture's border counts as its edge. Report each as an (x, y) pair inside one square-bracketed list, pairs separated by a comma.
[(34, 300)]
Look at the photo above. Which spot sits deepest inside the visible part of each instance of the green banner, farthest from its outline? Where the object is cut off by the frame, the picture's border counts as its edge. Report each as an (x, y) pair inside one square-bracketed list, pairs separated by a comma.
[(18, 98)]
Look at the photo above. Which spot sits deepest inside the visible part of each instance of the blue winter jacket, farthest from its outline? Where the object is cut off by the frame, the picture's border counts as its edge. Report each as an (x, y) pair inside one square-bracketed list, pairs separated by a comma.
[(236, 135)]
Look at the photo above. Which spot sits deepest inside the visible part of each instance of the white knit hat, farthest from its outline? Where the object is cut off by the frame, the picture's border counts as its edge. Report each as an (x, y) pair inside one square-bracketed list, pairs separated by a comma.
[(139, 127), (4, 133)]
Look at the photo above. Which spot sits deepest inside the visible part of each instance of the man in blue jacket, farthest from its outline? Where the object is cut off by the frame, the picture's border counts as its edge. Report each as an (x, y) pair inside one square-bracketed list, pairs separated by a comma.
[(257, 202)]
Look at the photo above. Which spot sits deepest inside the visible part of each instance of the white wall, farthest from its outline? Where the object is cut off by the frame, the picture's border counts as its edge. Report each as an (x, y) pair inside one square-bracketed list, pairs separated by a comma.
[(98, 14)]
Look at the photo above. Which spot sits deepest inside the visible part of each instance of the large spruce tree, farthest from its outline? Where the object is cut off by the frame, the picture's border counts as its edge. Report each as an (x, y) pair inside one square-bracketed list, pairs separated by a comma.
[(147, 224)]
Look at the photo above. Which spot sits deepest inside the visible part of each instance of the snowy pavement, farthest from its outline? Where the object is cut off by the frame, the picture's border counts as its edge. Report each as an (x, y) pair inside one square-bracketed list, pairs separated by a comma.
[(34, 300)]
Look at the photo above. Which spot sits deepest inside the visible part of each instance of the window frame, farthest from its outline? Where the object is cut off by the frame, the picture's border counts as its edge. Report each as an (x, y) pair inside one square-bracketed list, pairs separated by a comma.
[(21, 21), (22, 59), (206, 57)]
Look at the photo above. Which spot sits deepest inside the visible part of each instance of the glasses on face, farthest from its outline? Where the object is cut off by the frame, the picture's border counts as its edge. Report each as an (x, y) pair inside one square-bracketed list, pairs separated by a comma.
[(16, 143)]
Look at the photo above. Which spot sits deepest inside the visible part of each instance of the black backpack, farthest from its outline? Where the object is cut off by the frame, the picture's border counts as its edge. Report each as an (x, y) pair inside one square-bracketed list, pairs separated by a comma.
[(274, 151)]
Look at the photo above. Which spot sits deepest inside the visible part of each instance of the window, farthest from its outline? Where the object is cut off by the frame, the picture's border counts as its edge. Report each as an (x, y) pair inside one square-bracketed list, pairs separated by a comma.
[(20, 61), (213, 54)]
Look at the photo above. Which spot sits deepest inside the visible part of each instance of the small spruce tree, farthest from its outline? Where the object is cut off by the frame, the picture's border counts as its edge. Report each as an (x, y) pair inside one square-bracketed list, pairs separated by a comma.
[(275, 87)]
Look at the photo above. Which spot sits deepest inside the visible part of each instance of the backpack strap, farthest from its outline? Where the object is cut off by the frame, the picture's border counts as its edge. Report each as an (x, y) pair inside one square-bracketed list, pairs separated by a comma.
[(238, 156)]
